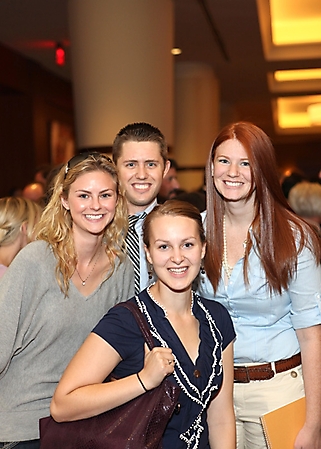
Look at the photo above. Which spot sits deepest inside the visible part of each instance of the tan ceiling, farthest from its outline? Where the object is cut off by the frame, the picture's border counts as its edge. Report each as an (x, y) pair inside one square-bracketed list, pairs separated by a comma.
[(222, 33)]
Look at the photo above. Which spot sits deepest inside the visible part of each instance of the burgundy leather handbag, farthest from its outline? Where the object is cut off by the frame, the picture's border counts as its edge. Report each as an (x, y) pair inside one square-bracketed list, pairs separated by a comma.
[(137, 424)]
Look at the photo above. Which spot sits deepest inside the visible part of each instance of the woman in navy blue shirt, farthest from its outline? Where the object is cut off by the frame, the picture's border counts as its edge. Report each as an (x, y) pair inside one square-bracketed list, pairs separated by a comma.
[(193, 339)]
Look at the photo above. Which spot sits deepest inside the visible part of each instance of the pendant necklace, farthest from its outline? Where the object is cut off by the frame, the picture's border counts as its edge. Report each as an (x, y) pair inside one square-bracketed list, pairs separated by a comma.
[(227, 268), (83, 281)]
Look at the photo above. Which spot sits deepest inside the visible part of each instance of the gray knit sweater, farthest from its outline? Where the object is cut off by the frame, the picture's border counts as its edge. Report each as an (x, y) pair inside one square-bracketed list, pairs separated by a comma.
[(40, 331)]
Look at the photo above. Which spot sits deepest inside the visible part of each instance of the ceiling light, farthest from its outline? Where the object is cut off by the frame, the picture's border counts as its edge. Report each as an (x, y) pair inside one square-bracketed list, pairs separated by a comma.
[(291, 114), (296, 75), (176, 51), (290, 29), (314, 113), (295, 22), (298, 80)]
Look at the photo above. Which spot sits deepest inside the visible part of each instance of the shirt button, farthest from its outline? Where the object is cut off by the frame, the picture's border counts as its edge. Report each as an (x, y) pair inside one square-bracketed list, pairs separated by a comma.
[(197, 373), (294, 374)]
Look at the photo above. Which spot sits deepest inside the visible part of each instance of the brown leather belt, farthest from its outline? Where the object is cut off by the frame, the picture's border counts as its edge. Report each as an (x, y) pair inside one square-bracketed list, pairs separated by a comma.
[(244, 374)]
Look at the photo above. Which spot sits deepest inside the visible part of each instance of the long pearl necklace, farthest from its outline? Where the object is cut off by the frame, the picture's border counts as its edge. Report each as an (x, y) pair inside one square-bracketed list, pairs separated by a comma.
[(227, 268), (98, 252)]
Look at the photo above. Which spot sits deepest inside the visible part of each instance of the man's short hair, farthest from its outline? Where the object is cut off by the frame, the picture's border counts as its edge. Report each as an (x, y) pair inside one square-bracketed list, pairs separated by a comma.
[(173, 163), (139, 132)]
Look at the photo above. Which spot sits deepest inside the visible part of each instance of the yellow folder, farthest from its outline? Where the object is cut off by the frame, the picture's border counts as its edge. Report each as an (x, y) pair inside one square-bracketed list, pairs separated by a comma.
[(281, 426)]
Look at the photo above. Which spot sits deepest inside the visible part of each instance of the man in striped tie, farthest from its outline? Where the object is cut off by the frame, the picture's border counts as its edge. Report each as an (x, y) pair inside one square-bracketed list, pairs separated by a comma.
[(140, 154)]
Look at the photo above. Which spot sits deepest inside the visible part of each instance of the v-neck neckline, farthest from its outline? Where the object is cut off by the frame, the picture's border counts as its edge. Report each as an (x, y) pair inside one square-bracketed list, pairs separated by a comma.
[(159, 306)]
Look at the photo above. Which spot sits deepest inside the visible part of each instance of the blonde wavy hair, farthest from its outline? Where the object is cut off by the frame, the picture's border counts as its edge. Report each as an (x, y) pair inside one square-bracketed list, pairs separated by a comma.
[(14, 212), (55, 226)]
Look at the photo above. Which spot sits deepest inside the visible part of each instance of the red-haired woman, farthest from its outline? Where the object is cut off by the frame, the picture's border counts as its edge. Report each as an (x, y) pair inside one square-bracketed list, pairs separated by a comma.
[(263, 264)]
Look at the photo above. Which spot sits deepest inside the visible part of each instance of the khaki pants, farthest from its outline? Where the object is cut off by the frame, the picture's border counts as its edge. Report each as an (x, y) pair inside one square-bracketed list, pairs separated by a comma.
[(253, 399)]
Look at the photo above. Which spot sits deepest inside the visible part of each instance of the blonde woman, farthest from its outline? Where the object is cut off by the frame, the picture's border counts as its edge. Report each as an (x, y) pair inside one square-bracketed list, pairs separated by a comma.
[(18, 217), (57, 289)]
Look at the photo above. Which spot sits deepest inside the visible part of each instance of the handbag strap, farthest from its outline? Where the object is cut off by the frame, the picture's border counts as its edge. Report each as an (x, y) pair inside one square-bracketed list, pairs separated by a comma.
[(141, 321)]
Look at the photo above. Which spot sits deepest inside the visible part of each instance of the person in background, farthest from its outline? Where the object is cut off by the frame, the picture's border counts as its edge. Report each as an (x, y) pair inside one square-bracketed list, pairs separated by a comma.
[(263, 264), (287, 182), (196, 197), (15, 191), (34, 191), (170, 185), (57, 289), (41, 173), (193, 338), (140, 154), (18, 217), (305, 200), (50, 182)]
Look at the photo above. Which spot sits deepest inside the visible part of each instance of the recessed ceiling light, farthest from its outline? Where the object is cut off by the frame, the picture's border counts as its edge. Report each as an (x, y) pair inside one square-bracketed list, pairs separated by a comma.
[(290, 29), (314, 112), (291, 81), (295, 22), (294, 113), (176, 51), (296, 75)]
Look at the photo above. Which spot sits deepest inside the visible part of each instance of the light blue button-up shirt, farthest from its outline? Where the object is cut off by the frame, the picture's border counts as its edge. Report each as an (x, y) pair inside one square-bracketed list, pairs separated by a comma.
[(265, 323)]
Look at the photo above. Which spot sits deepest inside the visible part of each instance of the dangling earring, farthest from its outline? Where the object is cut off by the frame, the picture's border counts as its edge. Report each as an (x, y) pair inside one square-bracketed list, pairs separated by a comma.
[(202, 272), (150, 271)]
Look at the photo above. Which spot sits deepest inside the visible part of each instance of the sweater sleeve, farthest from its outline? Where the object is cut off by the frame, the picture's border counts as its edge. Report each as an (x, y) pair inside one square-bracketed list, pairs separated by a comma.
[(127, 286), (19, 295)]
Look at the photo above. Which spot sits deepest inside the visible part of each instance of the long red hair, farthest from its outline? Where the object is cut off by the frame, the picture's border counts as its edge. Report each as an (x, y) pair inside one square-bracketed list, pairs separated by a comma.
[(275, 226)]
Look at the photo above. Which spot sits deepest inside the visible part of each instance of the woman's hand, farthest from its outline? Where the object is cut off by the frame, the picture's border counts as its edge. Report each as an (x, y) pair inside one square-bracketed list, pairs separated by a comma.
[(308, 439), (158, 364), (309, 436)]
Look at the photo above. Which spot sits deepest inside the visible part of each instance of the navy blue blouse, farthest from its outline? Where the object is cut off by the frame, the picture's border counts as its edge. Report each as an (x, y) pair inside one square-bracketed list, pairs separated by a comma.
[(200, 382)]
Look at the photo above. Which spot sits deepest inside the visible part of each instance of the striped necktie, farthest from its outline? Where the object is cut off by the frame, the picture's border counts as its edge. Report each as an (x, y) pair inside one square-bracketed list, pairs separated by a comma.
[(133, 249)]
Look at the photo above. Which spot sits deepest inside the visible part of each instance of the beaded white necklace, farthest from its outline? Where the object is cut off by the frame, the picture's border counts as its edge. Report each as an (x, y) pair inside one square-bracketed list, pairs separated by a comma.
[(227, 268), (162, 307), (192, 435)]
